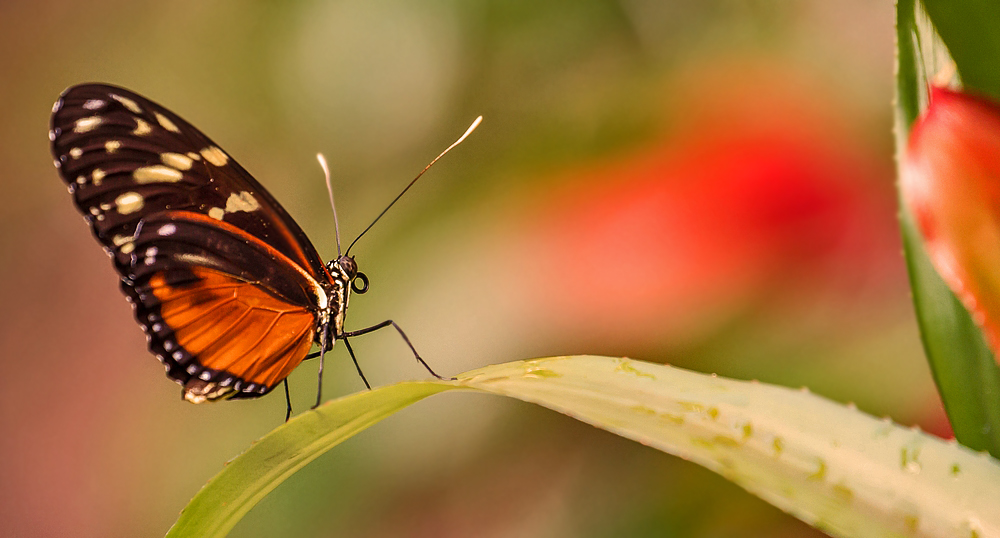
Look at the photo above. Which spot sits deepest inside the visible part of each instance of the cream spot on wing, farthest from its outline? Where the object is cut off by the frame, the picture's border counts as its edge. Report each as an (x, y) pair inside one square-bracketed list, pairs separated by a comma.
[(93, 104), (86, 124), (176, 160), (157, 174), (105, 206), (243, 201), (57, 105), (81, 179), (216, 213), (75, 153), (127, 103), (52, 135), (167, 229), (124, 243), (112, 146), (215, 156), (141, 127), (166, 123), (98, 176), (194, 156), (129, 202)]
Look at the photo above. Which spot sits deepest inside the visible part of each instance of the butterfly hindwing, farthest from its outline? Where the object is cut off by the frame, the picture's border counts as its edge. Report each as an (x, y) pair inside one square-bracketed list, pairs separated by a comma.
[(230, 315)]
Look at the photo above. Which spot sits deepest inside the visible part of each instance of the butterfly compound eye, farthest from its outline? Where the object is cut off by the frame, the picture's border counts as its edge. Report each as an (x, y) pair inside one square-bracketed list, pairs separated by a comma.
[(349, 266)]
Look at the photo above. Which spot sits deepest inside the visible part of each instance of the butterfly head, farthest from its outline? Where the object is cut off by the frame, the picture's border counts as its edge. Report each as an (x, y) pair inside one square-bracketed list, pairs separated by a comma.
[(347, 268)]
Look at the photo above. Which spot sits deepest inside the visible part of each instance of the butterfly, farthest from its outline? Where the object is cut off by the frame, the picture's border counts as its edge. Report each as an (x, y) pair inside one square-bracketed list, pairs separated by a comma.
[(227, 287)]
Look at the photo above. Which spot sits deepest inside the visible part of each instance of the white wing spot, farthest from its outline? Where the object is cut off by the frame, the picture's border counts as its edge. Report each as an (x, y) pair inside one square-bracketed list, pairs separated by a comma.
[(166, 229), (217, 213), (215, 156), (94, 104), (83, 125), (205, 375), (98, 175), (166, 123), (176, 160), (243, 201), (76, 153), (95, 211), (52, 135), (112, 146), (105, 207), (194, 156), (56, 163), (157, 174), (152, 251), (190, 369), (129, 202), (127, 103), (81, 179), (168, 345), (141, 127), (57, 105)]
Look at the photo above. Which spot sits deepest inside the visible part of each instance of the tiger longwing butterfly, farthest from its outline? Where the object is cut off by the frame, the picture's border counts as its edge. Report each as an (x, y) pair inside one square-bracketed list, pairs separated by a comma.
[(227, 287)]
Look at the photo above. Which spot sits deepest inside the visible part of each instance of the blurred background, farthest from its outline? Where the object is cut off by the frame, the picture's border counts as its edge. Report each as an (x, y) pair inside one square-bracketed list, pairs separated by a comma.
[(707, 184)]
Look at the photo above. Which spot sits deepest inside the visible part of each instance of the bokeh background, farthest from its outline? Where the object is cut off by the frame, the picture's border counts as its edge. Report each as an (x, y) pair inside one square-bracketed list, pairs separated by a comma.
[(708, 184)]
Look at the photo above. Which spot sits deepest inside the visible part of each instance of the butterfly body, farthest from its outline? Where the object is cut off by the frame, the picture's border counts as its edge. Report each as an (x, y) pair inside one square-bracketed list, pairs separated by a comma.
[(229, 290)]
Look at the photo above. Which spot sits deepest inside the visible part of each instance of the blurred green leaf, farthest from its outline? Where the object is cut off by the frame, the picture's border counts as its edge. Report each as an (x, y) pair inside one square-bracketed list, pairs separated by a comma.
[(969, 29), (838, 469), (964, 369)]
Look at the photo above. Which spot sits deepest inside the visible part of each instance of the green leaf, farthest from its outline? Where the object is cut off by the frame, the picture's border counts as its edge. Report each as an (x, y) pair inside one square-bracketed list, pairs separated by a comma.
[(278, 455), (969, 30), (964, 369), (838, 469)]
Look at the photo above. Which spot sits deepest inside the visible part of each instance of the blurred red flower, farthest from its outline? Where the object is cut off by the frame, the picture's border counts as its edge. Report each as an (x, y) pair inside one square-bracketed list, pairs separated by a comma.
[(759, 192)]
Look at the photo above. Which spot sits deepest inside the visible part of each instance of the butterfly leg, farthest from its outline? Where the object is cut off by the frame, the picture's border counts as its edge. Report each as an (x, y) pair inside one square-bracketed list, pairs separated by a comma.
[(387, 323), (288, 402), (322, 355), (356, 365)]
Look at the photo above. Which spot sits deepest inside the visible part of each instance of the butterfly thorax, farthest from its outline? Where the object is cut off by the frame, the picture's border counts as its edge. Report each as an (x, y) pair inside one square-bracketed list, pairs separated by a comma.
[(342, 271)]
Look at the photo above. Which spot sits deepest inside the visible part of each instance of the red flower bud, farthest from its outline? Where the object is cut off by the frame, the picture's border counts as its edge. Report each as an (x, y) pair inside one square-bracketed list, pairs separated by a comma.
[(950, 180)]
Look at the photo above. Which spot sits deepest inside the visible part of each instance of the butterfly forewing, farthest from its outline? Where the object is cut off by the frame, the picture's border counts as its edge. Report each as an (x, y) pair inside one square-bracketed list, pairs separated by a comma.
[(124, 157), (226, 285)]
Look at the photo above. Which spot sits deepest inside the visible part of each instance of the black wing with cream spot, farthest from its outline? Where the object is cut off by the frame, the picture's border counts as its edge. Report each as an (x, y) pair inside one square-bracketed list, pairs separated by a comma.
[(124, 157), (225, 284)]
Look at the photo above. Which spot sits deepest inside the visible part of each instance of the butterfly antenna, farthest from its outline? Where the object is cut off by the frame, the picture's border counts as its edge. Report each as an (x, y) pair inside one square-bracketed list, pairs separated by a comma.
[(400, 195), (329, 190)]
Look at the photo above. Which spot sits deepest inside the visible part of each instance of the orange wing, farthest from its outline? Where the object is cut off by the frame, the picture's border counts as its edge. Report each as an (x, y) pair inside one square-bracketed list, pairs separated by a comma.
[(235, 328), (228, 315)]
